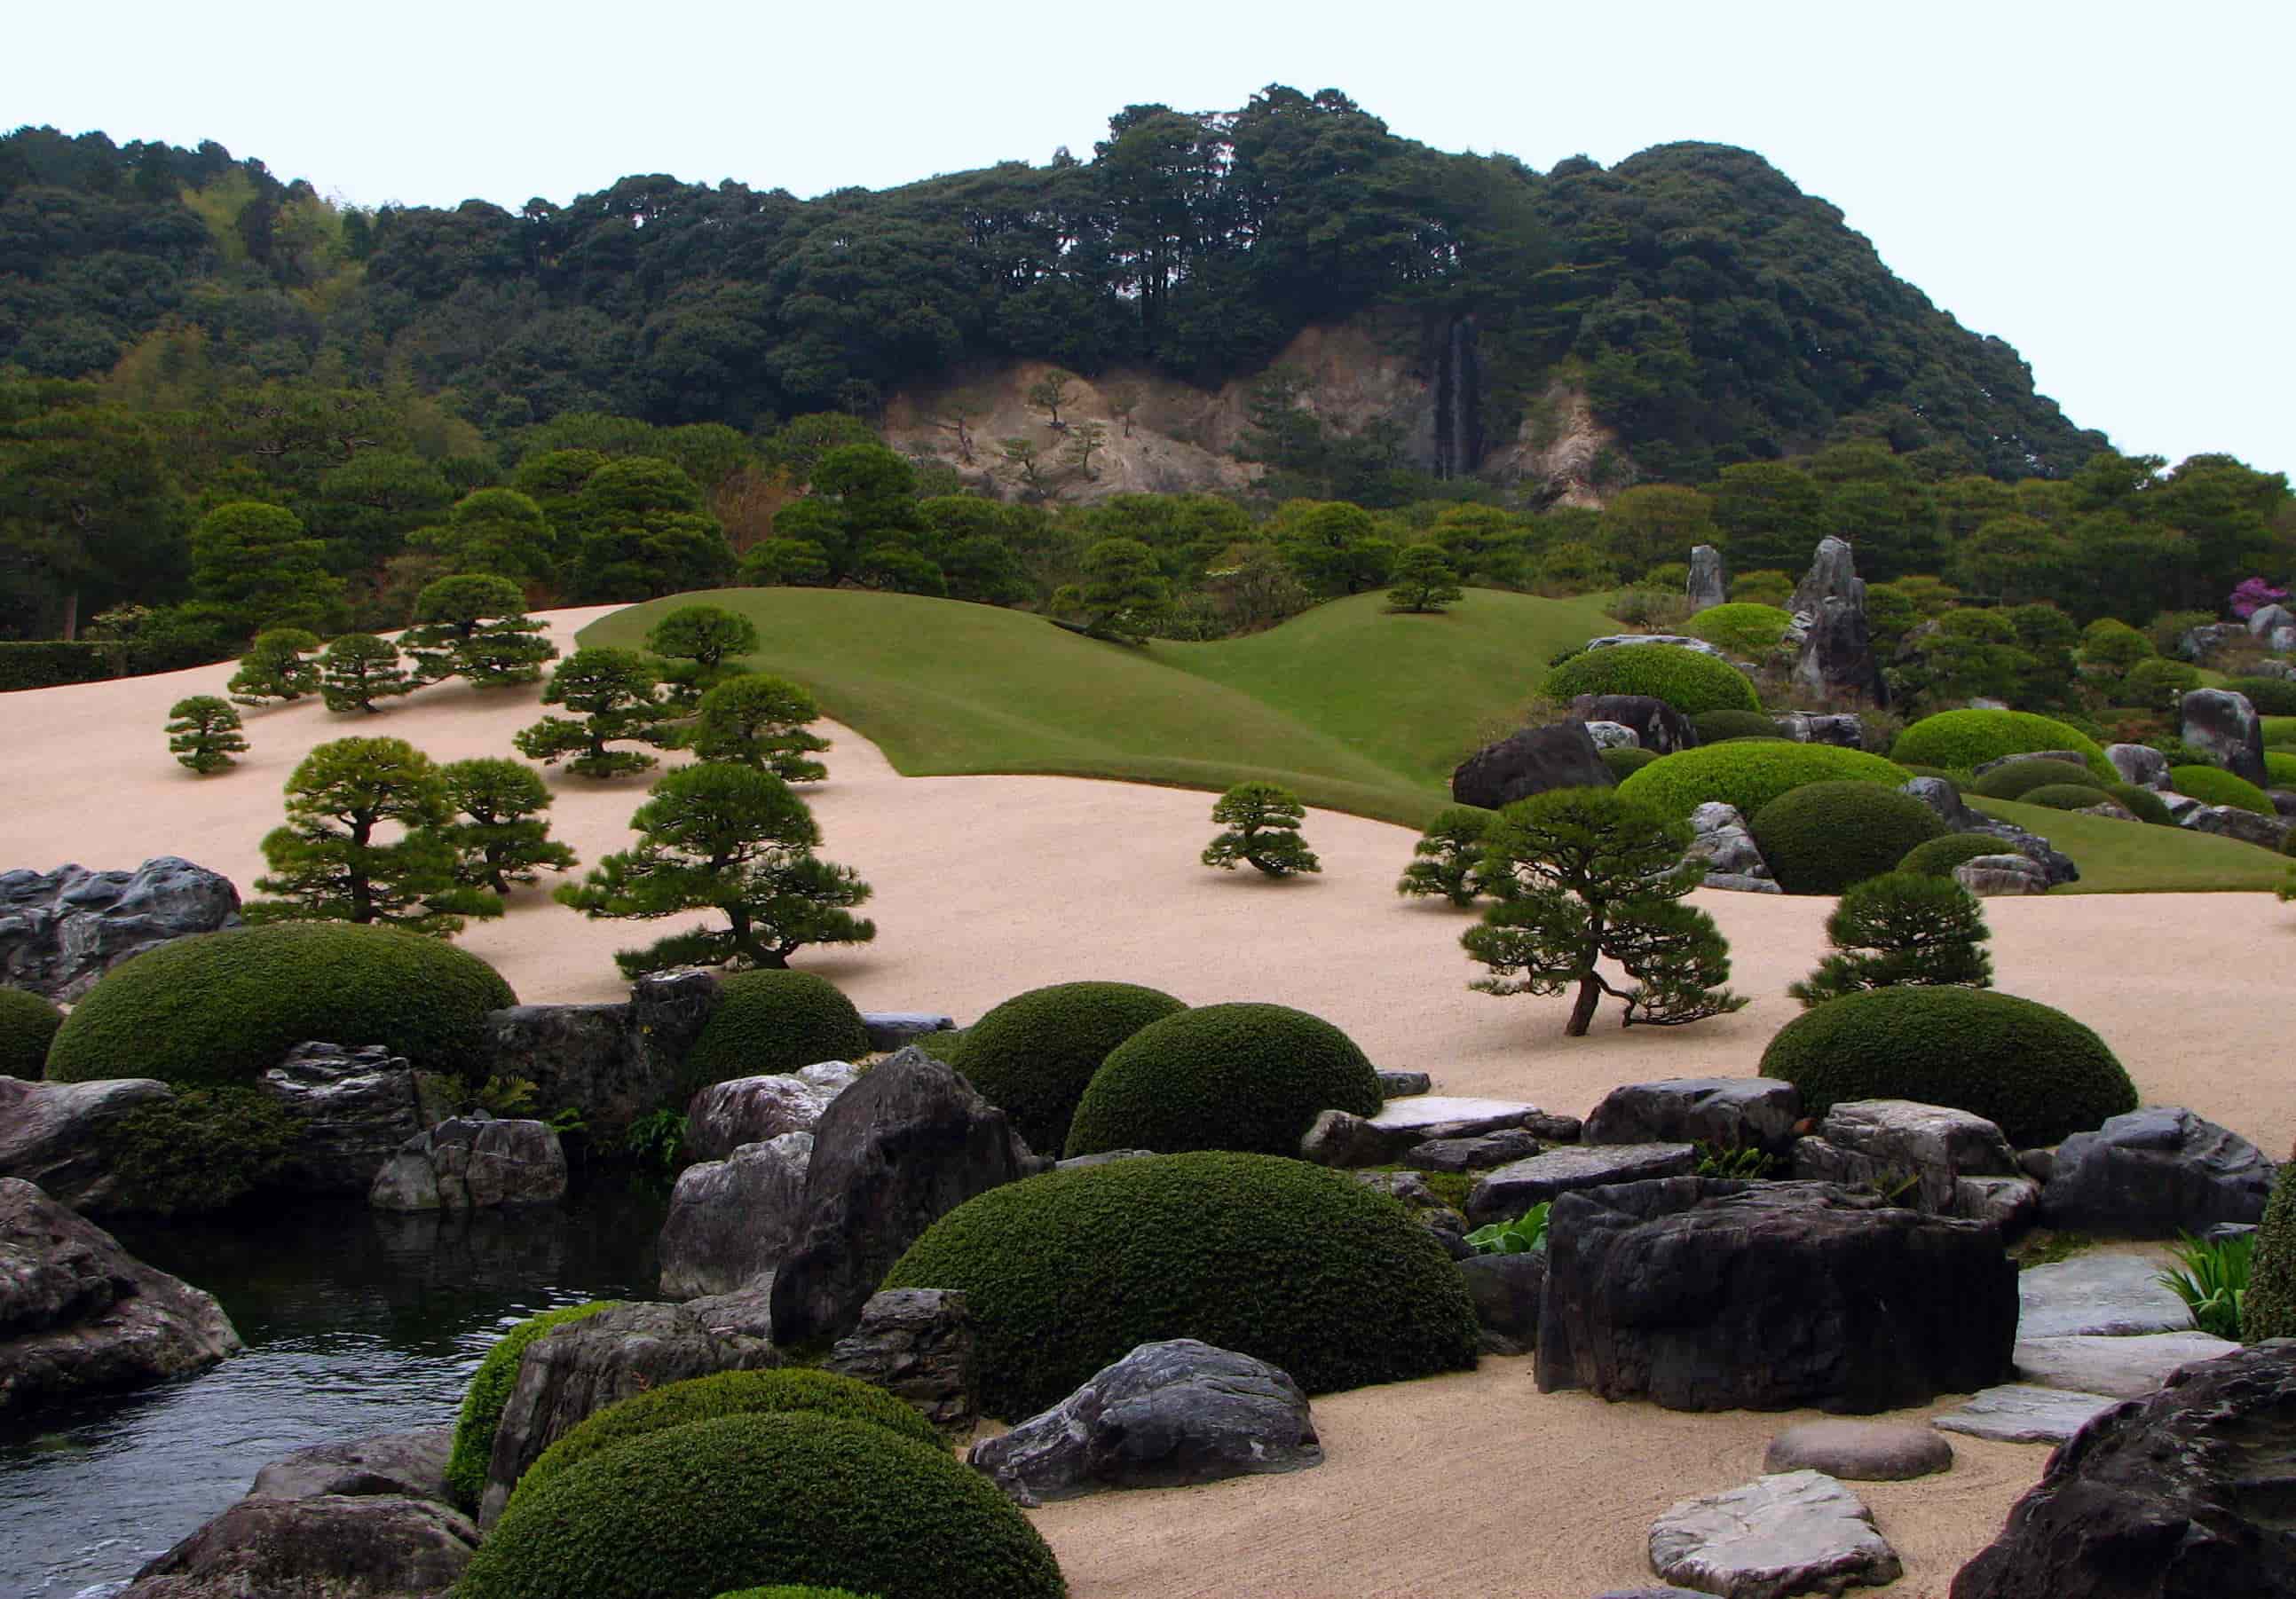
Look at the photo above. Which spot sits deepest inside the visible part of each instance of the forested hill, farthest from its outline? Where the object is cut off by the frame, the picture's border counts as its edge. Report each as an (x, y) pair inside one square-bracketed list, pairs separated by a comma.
[(1712, 312)]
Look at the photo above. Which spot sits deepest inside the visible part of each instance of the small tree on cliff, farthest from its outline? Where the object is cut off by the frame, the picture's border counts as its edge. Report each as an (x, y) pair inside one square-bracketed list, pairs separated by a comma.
[(203, 732)]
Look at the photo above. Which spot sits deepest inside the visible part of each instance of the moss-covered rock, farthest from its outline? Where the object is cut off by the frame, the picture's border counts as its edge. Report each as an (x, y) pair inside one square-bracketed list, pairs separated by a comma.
[(2213, 785), (1299, 1265), (489, 1391), (27, 1025), (1749, 775), (772, 1021), (1940, 855), (1033, 1055), (1239, 1076), (2020, 778), (2034, 1070), (1822, 837), (1965, 739), (1689, 680), (219, 1009)]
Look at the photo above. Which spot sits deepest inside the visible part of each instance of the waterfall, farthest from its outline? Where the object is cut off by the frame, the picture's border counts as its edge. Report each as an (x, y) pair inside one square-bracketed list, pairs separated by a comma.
[(1458, 395)]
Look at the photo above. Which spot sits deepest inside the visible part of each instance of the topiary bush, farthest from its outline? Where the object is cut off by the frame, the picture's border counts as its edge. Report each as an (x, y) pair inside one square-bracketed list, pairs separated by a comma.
[(1823, 837), (1939, 857), (2269, 1308), (1628, 759), (1967, 739), (1299, 1265), (2068, 796), (219, 1009), (769, 1021), (1033, 1055), (2021, 777), (27, 1025), (1689, 680), (1749, 775), (815, 1499), (2271, 696), (1234, 1077), (778, 1391), (489, 1391), (2143, 803), (2034, 1071), (1741, 629), (2278, 731), (2213, 785), (1714, 726)]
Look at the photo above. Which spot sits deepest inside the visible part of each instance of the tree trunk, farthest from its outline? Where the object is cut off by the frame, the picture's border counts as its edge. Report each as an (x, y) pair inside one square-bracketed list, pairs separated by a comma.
[(1582, 1009), (71, 612)]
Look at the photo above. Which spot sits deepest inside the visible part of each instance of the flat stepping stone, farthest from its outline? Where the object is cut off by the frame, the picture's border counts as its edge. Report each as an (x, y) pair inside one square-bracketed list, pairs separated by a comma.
[(1776, 1536), (2109, 1294), (1457, 1117), (2127, 1368), (1859, 1451), (2018, 1413), (1478, 1153), (1514, 1188)]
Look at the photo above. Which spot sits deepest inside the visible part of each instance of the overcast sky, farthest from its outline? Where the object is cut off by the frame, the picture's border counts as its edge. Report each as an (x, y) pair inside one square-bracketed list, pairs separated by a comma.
[(2105, 184)]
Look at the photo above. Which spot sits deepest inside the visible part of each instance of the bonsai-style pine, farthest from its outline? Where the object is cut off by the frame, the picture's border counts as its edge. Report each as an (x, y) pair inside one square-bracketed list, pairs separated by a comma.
[(278, 665), (203, 732), (697, 640), (1904, 927), (327, 863), (477, 627), (758, 721), (725, 838), (614, 691), (357, 669), (1447, 857), (502, 840), (1122, 594), (1598, 877), (1263, 827), (1423, 580)]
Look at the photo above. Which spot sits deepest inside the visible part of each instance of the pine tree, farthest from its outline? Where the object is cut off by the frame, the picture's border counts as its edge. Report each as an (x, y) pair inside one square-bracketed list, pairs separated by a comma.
[(1423, 580), (758, 721), (357, 669), (278, 665), (699, 642), (204, 734), (476, 627), (1447, 857), (502, 840), (614, 691), (1903, 927), (1263, 822)]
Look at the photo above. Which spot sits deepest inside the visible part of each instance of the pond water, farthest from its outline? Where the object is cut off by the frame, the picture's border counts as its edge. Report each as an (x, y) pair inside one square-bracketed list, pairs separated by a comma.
[(354, 1322)]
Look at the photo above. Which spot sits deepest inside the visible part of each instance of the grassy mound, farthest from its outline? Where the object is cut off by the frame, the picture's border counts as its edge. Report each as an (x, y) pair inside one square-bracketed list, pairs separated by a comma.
[(2142, 803), (774, 1021), (2279, 769), (2033, 1071), (1301, 1267), (1033, 1055), (1716, 726), (1822, 837), (1749, 775), (1689, 680), (219, 1009), (27, 1025), (489, 1391), (2068, 796), (2213, 785), (816, 1499), (2115, 859), (2020, 778), (2279, 731), (1961, 740), (1233, 1077), (1939, 857), (1742, 627)]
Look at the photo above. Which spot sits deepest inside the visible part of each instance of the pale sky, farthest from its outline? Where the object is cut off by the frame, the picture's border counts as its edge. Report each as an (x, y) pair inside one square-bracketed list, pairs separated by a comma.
[(2105, 184)]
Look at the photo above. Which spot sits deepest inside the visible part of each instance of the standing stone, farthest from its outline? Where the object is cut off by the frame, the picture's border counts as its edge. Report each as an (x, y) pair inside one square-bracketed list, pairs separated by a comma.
[(1530, 762), (668, 1011), (53, 1135), (1837, 646), (2224, 728), (61, 930), (918, 1344), (355, 1109), (2266, 619), (1656, 725), (1792, 1533), (2156, 1172), (1707, 587), (731, 1221), (474, 1163)]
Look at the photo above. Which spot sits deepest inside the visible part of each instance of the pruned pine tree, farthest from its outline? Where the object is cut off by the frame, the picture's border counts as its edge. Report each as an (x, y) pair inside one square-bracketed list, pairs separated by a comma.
[(476, 627), (500, 838), (203, 732), (698, 643), (278, 665), (760, 721), (1448, 858), (357, 669), (613, 691), (1263, 828), (1901, 928)]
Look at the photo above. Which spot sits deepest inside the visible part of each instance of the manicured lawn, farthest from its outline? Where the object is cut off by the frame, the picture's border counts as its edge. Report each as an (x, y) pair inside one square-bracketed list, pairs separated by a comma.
[(2130, 858), (2279, 731)]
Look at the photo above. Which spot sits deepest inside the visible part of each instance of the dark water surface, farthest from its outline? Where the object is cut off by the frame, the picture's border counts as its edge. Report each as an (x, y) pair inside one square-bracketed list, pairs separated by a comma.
[(355, 1322)]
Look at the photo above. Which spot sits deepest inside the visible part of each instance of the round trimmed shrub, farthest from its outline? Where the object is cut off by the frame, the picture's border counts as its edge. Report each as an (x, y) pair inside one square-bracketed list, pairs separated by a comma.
[(1717, 726), (1628, 759), (2021, 777), (1939, 857), (489, 1391), (777, 1391), (219, 1009), (1297, 1265), (1233, 1077), (1965, 739), (2279, 769), (1689, 680), (2143, 803), (27, 1025), (2033, 1071), (2271, 696), (2211, 785), (1740, 628), (2068, 796), (1822, 837), (770, 1021), (1749, 775), (808, 1498), (1033, 1055)]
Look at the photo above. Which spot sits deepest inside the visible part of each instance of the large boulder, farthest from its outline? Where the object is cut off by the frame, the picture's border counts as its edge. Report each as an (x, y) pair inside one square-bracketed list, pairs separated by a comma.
[(2265, 620), (722, 1117), (474, 1163), (1720, 836), (1166, 1415), (1562, 756), (329, 1546), (1707, 587), (2236, 822), (894, 1153), (1792, 1532), (53, 1135), (412, 1464), (918, 1344), (1836, 659), (2001, 876), (611, 1063), (2054, 866), (356, 1108), (731, 1221), (1958, 1160), (1506, 1290), (2156, 1172), (1737, 1112), (61, 930), (2224, 726), (79, 1315), (1655, 725), (2139, 764), (2181, 1492), (1712, 1295)]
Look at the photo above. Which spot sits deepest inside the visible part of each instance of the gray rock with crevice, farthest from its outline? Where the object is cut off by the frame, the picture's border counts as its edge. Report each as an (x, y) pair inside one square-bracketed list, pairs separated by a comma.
[(1514, 1188), (1478, 1153), (1720, 836), (1706, 587), (2139, 764), (919, 1345), (1402, 1085), (1792, 1532), (55, 1136), (1343, 1139), (2159, 1171), (1506, 1290), (354, 1109), (61, 931), (1735, 1112), (2237, 822), (1657, 727), (731, 1221), (2224, 726), (476, 1162), (2103, 1291), (1883, 1141), (2001, 876), (722, 1117)]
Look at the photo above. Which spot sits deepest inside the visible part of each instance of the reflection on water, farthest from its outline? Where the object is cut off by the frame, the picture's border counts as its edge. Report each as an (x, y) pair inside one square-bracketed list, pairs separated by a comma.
[(354, 1322)]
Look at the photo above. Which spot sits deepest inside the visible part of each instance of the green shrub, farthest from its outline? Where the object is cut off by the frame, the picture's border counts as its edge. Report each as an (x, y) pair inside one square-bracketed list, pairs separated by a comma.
[(1234, 1077), (2157, 683), (217, 1010), (2067, 796), (2279, 769), (2021, 777), (781, 1391), (1714, 726), (50, 662), (2278, 731), (489, 1391), (2143, 803), (1958, 781), (27, 1025), (2271, 696), (769, 1021), (1627, 759), (1743, 629), (1901, 928), (1033, 1055), (1966, 739), (2269, 1308), (204, 1150), (807, 1499), (1689, 680), (1822, 837), (1749, 775), (2213, 785), (2034, 1071), (1939, 857), (1448, 858), (1298, 1266)]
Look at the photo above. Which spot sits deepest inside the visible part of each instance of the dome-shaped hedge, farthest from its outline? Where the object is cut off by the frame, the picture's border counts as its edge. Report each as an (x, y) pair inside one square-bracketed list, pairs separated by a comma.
[(2271, 696), (2143, 803), (1033, 1055), (2068, 796), (2213, 785), (1822, 837), (1939, 857), (489, 1391), (27, 1025), (1627, 759), (219, 1009), (2034, 1071), (1962, 740), (1714, 726), (784, 1499), (1240, 1077), (1749, 775), (777, 1391), (1689, 680), (771, 1021), (2021, 777), (1742, 627), (1299, 1265)]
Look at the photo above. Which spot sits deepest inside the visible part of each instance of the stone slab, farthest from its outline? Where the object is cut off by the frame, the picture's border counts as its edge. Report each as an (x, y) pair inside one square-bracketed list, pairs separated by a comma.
[(1459, 1118), (2127, 1368), (1776, 1536), (2102, 1292), (2018, 1413), (1513, 1189)]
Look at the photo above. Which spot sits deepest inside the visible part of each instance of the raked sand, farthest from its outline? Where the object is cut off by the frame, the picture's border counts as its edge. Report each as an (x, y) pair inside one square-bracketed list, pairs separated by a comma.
[(1468, 1485)]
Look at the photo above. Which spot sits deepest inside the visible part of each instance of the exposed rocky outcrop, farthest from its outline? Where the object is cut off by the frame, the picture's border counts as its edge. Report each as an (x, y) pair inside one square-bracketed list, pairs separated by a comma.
[(2156, 1173), (356, 1108), (2234, 822), (61, 930), (331, 1547), (1844, 730), (412, 1465), (611, 1063), (474, 1163), (53, 1135), (2139, 764), (2224, 726), (1562, 756), (1514, 1188), (1341, 1138), (1997, 876), (1961, 1162), (1720, 836), (1836, 656), (722, 1117), (731, 1221)]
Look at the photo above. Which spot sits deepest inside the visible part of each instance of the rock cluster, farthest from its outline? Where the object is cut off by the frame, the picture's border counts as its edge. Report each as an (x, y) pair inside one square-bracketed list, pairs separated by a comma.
[(61, 930)]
